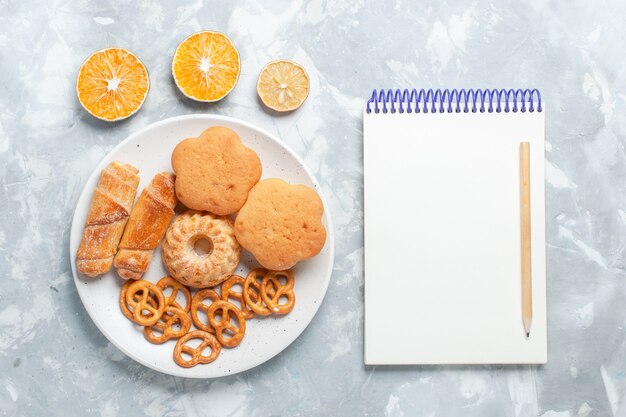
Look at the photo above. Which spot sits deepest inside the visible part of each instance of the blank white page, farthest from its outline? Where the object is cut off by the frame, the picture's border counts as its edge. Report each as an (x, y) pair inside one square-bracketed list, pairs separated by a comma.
[(442, 238)]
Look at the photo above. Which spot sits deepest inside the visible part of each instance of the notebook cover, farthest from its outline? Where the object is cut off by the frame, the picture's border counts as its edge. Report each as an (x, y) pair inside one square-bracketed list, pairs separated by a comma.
[(442, 232)]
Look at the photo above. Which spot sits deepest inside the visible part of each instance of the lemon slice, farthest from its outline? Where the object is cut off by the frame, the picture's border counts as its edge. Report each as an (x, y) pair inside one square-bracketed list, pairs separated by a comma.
[(206, 66), (112, 84), (283, 85)]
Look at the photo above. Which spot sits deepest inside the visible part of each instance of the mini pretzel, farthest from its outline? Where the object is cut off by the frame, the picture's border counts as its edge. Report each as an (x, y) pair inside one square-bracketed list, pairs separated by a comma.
[(196, 353), (128, 313), (252, 292), (197, 303), (176, 286), (272, 290), (171, 316), (138, 295), (224, 327), (228, 292)]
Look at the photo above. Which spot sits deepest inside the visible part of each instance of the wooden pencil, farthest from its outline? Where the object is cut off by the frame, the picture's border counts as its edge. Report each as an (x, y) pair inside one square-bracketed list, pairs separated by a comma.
[(527, 300)]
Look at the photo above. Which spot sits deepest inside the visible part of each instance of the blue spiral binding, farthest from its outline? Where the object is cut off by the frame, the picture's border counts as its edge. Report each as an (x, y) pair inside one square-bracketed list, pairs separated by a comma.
[(454, 101)]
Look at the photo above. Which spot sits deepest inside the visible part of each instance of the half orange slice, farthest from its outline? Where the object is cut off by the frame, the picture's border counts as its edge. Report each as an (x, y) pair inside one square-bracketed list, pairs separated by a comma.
[(206, 66), (283, 85), (112, 84)]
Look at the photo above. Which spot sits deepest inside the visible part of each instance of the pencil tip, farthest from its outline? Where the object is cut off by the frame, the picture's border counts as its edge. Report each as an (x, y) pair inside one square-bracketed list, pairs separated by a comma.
[(527, 335)]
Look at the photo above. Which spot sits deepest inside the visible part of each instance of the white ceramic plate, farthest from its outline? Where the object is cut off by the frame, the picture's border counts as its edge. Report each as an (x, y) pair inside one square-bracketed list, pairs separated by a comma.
[(149, 150)]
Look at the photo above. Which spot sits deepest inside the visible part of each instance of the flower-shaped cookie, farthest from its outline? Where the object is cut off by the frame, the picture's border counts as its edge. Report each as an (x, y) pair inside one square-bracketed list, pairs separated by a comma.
[(281, 224), (215, 171)]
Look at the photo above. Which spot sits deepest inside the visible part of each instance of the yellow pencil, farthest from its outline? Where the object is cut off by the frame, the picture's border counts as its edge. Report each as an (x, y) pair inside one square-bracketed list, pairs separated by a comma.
[(527, 297)]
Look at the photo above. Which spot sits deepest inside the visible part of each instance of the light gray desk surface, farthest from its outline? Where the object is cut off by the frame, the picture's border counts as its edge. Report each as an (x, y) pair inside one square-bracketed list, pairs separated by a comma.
[(53, 360)]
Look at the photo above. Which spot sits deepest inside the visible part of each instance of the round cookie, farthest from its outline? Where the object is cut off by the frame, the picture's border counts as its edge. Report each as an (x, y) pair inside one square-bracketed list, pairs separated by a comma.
[(215, 171), (281, 224)]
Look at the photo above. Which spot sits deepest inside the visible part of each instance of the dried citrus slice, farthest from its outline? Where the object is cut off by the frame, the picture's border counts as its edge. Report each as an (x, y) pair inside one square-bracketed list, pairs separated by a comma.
[(283, 85), (112, 84), (206, 66)]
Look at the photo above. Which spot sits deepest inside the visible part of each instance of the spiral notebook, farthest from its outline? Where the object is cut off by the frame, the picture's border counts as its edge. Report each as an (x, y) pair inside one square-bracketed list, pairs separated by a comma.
[(442, 227)]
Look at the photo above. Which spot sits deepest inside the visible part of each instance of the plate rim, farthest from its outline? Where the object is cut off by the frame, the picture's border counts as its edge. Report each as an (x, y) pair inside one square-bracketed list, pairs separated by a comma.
[(330, 239)]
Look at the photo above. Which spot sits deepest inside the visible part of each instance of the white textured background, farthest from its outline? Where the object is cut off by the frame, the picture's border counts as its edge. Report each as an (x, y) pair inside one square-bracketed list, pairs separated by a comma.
[(53, 360)]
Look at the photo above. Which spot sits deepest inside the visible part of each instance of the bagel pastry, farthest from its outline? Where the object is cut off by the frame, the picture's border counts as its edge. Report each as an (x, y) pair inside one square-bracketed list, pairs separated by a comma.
[(147, 223), (215, 171), (110, 207), (185, 263), (281, 224)]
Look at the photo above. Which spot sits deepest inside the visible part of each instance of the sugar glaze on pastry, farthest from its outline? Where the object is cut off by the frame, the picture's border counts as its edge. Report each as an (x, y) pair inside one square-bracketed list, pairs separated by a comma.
[(146, 225), (110, 207), (200, 270)]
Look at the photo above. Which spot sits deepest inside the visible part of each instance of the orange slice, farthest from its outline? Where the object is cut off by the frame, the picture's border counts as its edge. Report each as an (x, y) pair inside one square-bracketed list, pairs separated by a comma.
[(283, 85), (206, 66), (112, 84)]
